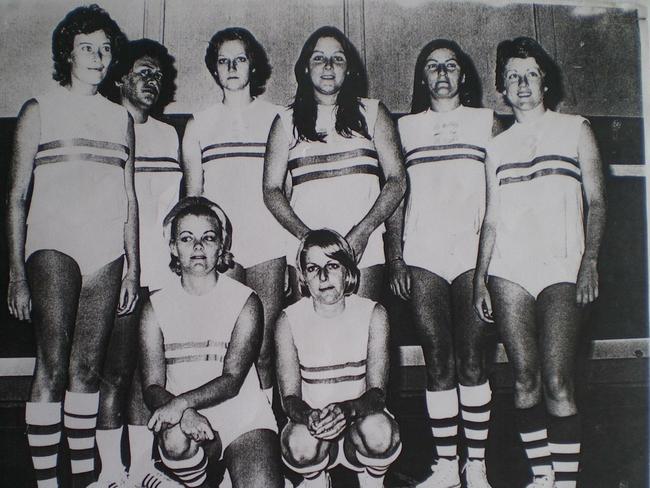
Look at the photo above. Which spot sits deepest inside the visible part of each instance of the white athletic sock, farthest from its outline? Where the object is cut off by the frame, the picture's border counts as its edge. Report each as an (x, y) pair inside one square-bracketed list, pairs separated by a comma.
[(564, 443), (531, 423), (80, 419), (475, 411), (442, 407), (140, 443), (377, 467), (269, 394), (43, 421), (109, 445), (191, 471)]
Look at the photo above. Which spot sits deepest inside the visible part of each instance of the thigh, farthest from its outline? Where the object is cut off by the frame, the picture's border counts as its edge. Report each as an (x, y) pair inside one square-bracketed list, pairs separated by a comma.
[(55, 283), (474, 340), (371, 282), (253, 460), (95, 317), (431, 308)]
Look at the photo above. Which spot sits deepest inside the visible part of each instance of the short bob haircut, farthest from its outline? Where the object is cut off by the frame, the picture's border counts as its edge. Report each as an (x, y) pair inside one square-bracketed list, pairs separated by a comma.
[(260, 68), (334, 246), (525, 47), (82, 20), (200, 207), (349, 118), (470, 86), (132, 52)]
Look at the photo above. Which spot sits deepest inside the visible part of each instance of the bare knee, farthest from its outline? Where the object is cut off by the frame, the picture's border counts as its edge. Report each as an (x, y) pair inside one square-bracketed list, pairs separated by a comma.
[(440, 367), (527, 386), (375, 435), (299, 447), (471, 370), (83, 377), (174, 443), (559, 389)]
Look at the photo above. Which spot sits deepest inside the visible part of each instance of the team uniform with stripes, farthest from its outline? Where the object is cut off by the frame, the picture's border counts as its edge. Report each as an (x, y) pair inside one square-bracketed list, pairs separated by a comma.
[(79, 202), (196, 332), (335, 183), (157, 184), (540, 234), (445, 162), (233, 145)]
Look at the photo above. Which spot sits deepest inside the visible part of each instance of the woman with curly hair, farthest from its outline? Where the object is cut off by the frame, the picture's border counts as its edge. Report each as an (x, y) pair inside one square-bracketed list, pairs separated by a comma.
[(538, 254), (340, 152), (223, 157), (66, 257)]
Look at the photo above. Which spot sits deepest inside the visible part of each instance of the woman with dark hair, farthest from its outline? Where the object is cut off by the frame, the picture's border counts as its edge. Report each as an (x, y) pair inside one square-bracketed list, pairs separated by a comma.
[(341, 154), (199, 337), (332, 357), (66, 257), (537, 262), (444, 143), (223, 156)]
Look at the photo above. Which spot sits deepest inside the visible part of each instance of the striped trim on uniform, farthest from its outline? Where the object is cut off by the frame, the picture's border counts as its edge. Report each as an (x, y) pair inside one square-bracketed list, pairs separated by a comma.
[(64, 150), (445, 153), (156, 164), (355, 161), (552, 164), (229, 150), (187, 352), (337, 373)]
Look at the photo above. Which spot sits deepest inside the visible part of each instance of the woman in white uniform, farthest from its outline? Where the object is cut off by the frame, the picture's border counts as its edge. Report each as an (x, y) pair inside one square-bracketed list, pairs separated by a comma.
[(339, 155), (332, 357), (537, 263), (444, 141), (66, 256), (223, 157)]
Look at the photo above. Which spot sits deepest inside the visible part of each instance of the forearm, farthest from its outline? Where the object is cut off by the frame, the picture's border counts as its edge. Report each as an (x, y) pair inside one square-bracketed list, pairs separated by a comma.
[(372, 401), (297, 409), (279, 206), (485, 248), (388, 200), (394, 232), (155, 396), (16, 234), (595, 229), (131, 241), (213, 393)]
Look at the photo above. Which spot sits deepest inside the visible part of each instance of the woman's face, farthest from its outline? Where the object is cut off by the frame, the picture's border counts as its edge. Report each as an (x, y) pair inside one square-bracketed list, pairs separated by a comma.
[(198, 244), (233, 66), (524, 83), (324, 276), (327, 66), (90, 58), (442, 74)]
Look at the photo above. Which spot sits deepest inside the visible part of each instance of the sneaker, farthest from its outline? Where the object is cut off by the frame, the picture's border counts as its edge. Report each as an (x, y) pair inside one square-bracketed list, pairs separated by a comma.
[(321, 481), (444, 475), (147, 475), (475, 475), (113, 480), (546, 481), (366, 480)]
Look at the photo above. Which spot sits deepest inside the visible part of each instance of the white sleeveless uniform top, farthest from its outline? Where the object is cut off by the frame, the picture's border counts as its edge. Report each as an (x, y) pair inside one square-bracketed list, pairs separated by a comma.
[(539, 191), (332, 351), (196, 332), (233, 144), (79, 202), (336, 182), (157, 183), (445, 162)]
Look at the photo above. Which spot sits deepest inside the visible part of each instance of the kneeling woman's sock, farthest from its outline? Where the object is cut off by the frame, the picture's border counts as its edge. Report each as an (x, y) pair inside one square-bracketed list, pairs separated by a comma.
[(191, 471)]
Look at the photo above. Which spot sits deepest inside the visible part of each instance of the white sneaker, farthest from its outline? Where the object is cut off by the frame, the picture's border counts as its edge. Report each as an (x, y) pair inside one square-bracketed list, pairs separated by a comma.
[(111, 480), (146, 475), (366, 480), (546, 481), (444, 475), (321, 481), (475, 475)]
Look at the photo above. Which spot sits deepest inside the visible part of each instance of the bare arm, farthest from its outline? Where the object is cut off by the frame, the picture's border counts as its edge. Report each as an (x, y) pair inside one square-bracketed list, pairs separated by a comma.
[(191, 157), (152, 360), (27, 136), (593, 185), (130, 283), (275, 172)]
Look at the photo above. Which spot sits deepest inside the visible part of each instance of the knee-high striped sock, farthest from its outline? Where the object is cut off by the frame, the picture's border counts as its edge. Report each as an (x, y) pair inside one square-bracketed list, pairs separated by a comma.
[(442, 407), (475, 402), (109, 445), (564, 442), (191, 471), (377, 467), (140, 443), (309, 472), (531, 423), (44, 434), (80, 420)]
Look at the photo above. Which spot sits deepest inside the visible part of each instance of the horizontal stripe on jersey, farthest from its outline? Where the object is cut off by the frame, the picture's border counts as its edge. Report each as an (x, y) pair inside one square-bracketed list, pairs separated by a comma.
[(445, 152), (356, 161), (335, 373), (156, 164), (185, 352), (540, 166), (64, 150), (227, 150)]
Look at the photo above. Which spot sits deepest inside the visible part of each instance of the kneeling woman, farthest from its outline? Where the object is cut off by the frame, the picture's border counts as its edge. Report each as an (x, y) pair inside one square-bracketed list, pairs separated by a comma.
[(199, 339), (332, 355)]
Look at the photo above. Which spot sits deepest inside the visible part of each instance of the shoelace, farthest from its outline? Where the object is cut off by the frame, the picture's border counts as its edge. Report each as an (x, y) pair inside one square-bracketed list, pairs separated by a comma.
[(151, 481)]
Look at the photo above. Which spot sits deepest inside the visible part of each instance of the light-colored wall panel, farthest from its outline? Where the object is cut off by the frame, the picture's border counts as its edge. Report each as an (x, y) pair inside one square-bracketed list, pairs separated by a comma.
[(26, 41), (281, 27)]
